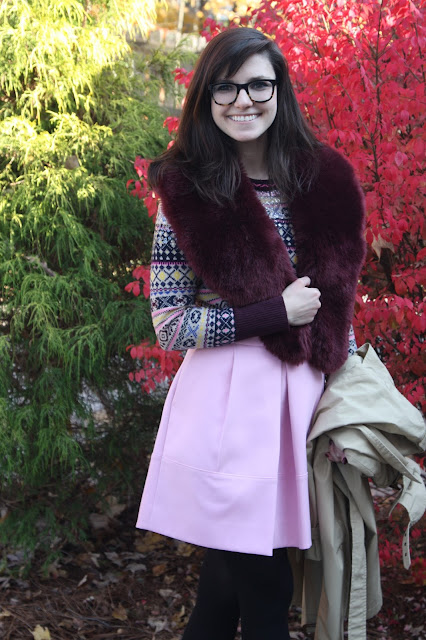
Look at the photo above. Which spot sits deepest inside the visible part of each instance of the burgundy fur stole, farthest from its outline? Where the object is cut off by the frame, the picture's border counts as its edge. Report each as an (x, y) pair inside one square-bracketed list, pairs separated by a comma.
[(240, 255)]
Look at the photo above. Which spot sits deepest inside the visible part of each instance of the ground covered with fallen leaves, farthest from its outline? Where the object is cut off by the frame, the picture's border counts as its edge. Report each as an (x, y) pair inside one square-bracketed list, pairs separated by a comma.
[(136, 585)]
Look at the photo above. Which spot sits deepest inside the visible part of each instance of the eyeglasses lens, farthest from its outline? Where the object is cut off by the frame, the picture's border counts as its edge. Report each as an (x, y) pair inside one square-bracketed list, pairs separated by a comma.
[(259, 91)]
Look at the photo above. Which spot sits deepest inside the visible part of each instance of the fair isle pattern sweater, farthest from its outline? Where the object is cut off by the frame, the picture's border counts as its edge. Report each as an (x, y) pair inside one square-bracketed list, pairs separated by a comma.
[(188, 315)]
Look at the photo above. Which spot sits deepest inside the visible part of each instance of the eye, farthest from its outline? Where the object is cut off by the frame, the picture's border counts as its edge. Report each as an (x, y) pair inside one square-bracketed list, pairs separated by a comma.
[(223, 88), (258, 85)]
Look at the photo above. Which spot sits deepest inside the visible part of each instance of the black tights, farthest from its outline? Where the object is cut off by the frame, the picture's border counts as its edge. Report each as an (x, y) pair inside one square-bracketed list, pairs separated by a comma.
[(232, 585)]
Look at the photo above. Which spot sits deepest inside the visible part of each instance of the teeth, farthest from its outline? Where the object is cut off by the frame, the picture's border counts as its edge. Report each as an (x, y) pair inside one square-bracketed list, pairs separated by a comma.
[(243, 118)]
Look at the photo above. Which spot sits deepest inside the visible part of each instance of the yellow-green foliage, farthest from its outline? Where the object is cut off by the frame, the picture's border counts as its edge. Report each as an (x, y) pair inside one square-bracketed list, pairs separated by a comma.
[(75, 110), (51, 52)]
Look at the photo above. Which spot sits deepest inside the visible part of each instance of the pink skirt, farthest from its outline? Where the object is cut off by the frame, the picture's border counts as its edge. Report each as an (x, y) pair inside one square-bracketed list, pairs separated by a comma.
[(229, 469)]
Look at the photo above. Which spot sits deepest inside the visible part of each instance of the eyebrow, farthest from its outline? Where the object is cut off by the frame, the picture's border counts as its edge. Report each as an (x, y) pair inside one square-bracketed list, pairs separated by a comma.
[(253, 79)]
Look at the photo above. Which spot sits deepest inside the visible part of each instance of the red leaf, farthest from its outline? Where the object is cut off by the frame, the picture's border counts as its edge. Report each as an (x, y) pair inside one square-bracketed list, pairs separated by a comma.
[(141, 166), (172, 124), (400, 158), (136, 289)]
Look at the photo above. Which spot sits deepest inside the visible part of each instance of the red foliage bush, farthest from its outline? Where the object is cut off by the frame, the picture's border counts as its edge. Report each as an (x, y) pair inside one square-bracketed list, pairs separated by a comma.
[(358, 70)]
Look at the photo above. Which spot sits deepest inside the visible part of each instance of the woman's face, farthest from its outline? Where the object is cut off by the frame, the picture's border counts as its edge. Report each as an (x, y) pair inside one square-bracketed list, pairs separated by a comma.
[(244, 120)]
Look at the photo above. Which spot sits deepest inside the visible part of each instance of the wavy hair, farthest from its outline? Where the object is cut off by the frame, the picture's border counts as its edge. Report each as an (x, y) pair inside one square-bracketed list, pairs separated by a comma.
[(207, 156)]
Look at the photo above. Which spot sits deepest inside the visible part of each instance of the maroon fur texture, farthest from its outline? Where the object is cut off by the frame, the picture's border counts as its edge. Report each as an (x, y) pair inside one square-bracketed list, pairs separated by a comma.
[(240, 255)]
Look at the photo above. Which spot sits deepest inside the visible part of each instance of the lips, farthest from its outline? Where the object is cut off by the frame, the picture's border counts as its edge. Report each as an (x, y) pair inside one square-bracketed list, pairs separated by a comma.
[(247, 118)]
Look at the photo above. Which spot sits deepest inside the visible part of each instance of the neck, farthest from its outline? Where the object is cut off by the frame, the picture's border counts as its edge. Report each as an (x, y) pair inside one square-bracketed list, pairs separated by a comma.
[(253, 158)]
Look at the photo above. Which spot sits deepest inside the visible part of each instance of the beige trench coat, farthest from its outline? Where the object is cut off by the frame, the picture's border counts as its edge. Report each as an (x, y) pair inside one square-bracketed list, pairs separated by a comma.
[(372, 429)]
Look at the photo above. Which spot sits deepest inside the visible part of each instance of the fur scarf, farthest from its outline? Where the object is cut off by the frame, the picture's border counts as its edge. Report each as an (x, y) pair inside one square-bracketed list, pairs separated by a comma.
[(239, 254)]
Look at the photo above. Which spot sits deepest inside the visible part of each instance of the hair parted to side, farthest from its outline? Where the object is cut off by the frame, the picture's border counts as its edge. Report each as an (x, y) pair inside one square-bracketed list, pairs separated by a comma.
[(208, 156)]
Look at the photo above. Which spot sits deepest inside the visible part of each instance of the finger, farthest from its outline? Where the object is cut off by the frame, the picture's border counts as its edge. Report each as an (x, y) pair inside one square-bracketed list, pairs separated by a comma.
[(306, 281)]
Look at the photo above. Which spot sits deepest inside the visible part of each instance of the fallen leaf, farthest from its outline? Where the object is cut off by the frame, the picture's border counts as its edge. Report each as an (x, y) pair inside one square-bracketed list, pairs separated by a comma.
[(179, 615), (84, 558), (94, 557), (119, 613), (82, 581), (55, 571), (5, 614), (98, 521), (114, 508), (159, 569), (41, 633), (135, 566), (114, 557), (184, 549), (149, 541), (108, 578), (167, 594), (158, 624)]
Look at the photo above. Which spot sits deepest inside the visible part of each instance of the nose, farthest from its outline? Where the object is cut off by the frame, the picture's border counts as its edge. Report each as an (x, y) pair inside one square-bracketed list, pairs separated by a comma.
[(243, 99)]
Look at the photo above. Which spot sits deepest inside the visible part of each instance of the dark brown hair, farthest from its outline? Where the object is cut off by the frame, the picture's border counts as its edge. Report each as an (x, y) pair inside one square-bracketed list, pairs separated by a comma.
[(208, 156)]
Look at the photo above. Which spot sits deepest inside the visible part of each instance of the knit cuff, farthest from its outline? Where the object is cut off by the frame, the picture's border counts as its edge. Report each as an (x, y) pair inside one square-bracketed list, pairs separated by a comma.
[(260, 318)]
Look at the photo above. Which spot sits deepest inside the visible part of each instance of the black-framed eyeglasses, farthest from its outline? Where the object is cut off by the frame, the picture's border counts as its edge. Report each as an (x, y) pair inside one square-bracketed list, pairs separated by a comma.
[(226, 93)]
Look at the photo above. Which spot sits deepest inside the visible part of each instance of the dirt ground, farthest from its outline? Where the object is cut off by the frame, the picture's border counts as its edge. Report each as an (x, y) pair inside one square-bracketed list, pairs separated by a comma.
[(134, 585)]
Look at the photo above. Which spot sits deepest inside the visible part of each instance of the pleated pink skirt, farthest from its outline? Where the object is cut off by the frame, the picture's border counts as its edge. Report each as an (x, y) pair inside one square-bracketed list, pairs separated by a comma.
[(229, 470)]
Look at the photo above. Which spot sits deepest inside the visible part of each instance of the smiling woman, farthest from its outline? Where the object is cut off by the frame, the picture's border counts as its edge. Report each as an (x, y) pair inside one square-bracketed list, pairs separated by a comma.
[(245, 188)]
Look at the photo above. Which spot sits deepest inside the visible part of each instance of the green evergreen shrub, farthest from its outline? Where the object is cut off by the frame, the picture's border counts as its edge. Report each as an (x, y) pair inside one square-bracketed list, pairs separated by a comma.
[(75, 110)]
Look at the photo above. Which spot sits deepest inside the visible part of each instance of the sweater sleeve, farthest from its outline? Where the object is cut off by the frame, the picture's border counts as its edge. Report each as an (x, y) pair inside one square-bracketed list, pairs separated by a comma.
[(260, 318), (185, 315), (352, 347)]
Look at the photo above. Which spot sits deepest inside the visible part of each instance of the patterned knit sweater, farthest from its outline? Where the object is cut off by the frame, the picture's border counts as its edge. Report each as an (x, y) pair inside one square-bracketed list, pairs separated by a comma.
[(188, 315)]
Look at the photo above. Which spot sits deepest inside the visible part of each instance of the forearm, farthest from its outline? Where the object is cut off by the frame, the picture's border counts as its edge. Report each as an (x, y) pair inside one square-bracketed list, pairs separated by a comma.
[(187, 316), (261, 318), (180, 323)]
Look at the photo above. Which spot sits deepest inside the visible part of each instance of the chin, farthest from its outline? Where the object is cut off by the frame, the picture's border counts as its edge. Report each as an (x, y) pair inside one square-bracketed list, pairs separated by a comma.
[(248, 137)]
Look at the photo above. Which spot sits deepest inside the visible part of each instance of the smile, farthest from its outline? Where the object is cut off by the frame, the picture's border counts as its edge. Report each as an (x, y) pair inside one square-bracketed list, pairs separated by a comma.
[(244, 118)]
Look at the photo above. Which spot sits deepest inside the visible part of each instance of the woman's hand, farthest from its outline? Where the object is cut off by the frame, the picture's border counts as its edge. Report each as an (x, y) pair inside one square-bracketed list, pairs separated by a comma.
[(301, 302)]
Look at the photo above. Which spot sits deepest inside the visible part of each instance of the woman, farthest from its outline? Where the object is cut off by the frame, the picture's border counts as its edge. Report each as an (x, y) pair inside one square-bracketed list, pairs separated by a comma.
[(257, 250)]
